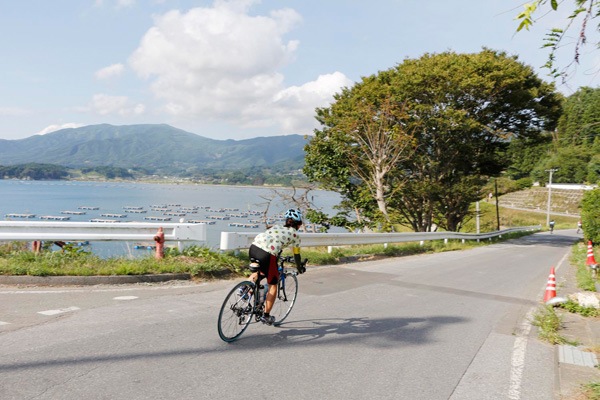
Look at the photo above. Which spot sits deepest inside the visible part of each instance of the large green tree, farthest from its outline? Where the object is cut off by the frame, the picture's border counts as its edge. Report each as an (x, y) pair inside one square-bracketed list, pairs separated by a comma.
[(453, 115)]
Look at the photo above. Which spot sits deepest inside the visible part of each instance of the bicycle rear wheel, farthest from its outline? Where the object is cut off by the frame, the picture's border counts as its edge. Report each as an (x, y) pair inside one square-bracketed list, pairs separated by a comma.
[(236, 311), (286, 297)]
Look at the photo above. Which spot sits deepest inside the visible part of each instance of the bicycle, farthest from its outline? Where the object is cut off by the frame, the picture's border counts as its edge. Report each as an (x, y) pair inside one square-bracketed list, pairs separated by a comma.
[(242, 304)]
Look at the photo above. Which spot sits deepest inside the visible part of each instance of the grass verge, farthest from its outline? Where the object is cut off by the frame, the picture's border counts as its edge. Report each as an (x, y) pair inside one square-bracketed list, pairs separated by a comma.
[(198, 261)]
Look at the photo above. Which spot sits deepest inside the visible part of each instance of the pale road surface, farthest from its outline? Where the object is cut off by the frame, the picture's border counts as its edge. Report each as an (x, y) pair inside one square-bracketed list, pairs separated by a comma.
[(441, 326)]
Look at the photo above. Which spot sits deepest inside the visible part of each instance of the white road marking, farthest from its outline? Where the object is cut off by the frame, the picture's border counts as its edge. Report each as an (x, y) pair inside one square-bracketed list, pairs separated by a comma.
[(125, 298), (100, 290), (519, 349), (518, 357), (4, 323), (59, 311)]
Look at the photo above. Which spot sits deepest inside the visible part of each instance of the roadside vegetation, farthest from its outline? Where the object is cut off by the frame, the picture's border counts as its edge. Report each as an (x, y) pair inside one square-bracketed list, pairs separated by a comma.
[(548, 320), (201, 262), (549, 324)]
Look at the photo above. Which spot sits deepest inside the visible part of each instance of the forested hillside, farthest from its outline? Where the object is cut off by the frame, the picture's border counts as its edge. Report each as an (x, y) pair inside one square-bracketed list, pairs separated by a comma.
[(155, 148)]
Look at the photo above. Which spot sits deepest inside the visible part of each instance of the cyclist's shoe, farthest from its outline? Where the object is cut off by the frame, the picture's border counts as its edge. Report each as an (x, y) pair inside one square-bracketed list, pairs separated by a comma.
[(270, 320)]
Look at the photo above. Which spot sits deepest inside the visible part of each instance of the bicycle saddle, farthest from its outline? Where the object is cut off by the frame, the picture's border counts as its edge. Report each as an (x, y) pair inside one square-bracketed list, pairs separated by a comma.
[(254, 265)]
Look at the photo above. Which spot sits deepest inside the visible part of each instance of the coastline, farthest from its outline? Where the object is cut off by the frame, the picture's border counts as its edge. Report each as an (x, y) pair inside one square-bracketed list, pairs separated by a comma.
[(171, 181)]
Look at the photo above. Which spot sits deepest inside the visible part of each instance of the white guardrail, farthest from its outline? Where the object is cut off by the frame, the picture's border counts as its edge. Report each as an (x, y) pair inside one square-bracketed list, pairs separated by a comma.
[(97, 231), (243, 240), (180, 232)]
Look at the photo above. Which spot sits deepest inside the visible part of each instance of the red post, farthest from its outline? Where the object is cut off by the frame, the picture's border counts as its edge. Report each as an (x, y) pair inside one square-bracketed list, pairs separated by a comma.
[(36, 246), (160, 244)]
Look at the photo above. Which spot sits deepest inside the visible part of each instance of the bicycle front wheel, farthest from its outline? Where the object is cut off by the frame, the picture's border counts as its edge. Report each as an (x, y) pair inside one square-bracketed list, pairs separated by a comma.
[(286, 297), (236, 311)]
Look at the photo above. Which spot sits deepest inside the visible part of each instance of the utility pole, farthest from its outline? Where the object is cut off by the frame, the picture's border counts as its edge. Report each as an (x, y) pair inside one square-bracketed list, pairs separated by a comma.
[(497, 209), (551, 171), (477, 213)]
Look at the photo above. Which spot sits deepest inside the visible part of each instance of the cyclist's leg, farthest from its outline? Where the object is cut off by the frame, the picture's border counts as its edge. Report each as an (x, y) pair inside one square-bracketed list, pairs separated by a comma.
[(272, 278), (271, 296)]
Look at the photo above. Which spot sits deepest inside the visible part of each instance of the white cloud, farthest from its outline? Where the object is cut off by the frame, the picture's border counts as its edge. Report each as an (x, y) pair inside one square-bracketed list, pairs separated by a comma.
[(293, 108), (57, 127), (104, 104), (221, 63), (111, 71)]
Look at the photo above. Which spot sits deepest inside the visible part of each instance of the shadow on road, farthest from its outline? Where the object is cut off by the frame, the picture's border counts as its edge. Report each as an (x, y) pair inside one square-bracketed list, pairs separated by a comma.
[(375, 332), (383, 331)]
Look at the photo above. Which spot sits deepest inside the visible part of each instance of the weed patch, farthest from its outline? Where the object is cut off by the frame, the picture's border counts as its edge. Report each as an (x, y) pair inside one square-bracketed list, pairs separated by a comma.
[(592, 391), (576, 308), (549, 324)]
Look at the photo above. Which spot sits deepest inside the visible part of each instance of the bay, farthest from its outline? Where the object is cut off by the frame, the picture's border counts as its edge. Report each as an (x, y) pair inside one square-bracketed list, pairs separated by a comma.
[(198, 202)]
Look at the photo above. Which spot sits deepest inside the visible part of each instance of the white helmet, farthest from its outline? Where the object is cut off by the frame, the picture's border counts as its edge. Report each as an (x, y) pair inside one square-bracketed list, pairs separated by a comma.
[(294, 214)]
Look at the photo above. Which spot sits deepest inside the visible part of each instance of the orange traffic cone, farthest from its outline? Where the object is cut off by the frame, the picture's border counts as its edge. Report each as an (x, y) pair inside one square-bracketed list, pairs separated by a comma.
[(550, 287), (590, 255)]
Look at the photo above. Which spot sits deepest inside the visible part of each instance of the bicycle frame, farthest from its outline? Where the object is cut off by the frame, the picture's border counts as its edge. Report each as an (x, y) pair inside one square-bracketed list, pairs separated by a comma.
[(244, 302), (259, 304)]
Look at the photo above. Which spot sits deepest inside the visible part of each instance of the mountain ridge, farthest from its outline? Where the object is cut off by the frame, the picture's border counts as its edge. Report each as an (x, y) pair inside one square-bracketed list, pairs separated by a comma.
[(152, 146)]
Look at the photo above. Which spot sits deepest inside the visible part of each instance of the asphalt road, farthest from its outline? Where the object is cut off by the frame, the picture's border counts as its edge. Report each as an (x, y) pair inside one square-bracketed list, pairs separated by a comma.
[(442, 326)]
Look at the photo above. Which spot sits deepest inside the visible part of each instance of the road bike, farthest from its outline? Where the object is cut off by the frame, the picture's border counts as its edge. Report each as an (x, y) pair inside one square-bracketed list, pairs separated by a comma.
[(245, 303)]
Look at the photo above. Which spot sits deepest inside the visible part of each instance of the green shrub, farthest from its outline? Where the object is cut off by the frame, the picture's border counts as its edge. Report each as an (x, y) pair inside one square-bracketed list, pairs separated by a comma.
[(504, 185), (590, 215), (524, 183)]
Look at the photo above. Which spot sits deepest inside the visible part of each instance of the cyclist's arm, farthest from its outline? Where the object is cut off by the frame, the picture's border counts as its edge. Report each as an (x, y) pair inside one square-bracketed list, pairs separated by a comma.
[(297, 258)]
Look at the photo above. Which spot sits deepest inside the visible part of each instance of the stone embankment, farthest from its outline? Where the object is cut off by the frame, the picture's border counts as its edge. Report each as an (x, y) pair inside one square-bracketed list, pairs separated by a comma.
[(563, 201)]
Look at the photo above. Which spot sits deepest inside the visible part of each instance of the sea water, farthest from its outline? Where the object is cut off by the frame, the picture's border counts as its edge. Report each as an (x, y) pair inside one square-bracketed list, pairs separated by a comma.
[(53, 198)]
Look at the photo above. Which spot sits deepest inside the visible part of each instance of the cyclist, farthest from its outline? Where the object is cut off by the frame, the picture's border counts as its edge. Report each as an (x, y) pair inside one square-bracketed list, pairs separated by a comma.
[(265, 250), (551, 226)]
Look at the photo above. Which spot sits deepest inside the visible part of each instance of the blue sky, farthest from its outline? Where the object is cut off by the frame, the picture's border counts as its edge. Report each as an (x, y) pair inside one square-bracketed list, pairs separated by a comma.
[(231, 69)]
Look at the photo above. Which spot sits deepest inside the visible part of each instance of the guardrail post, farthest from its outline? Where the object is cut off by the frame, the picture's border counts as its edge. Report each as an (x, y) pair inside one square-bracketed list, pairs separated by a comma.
[(160, 244)]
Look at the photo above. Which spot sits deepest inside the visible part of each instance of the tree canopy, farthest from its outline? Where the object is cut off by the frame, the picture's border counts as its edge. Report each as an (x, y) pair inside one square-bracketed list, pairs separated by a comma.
[(579, 123), (573, 148), (448, 116)]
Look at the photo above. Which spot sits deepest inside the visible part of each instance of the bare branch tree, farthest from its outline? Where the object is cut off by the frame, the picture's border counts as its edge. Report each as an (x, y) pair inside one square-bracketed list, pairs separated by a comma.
[(381, 143)]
